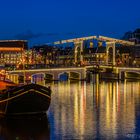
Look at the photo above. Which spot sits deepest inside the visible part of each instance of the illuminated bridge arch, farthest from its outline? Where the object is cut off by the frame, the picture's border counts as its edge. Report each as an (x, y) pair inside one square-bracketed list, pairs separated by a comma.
[(63, 76), (38, 78), (132, 75), (49, 77), (74, 76)]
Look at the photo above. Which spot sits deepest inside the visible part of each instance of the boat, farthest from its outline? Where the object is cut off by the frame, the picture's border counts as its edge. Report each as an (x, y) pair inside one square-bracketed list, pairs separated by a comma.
[(26, 99)]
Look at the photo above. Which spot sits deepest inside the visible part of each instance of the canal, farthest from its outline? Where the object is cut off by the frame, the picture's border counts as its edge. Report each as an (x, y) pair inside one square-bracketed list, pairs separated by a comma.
[(83, 111)]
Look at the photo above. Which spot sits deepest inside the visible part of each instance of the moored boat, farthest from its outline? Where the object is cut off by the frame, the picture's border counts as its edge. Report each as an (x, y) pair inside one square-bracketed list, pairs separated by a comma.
[(25, 99)]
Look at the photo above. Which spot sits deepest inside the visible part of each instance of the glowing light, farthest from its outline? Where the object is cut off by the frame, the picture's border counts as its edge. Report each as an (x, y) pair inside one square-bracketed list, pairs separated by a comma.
[(11, 49)]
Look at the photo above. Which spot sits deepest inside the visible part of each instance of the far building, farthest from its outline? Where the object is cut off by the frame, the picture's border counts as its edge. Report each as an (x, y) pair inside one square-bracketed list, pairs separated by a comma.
[(134, 36), (11, 52)]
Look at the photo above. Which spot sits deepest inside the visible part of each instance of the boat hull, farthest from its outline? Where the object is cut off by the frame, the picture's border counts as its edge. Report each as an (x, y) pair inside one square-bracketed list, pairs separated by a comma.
[(27, 99)]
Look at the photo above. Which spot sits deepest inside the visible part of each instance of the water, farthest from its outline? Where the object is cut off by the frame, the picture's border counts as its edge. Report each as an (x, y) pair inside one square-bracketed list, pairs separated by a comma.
[(106, 110), (84, 111)]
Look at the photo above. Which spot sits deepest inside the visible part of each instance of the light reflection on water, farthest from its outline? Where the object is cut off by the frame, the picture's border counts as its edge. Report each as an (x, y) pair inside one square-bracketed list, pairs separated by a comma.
[(84, 111), (107, 110)]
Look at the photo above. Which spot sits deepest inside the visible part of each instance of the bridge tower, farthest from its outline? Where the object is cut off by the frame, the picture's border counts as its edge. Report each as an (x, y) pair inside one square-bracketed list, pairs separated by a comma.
[(108, 46), (78, 45), (110, 43)]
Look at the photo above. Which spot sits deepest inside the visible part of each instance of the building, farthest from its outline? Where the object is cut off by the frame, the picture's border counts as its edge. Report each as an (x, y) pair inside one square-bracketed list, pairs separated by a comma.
[(136, 55), (11, 52)]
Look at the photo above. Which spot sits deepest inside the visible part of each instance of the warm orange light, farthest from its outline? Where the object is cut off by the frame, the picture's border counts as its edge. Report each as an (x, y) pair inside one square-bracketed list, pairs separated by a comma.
[(11, 49)]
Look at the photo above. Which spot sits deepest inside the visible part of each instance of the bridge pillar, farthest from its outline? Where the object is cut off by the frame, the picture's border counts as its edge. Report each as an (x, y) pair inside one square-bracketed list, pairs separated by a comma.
[(110, 45), (78, 44), (84, 74), (75, 53), (121, 75)]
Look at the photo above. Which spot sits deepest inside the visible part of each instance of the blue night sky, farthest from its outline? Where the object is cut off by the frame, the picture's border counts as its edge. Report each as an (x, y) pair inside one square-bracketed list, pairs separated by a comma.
[(43, 21)]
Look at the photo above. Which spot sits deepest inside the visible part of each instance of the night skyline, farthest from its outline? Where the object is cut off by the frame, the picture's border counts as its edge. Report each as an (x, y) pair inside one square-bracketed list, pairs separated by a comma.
[(46, 21)]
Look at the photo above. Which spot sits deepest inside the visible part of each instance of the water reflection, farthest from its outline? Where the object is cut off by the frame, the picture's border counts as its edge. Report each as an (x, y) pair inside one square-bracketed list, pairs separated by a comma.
[(84, 111), (31, 128), (105, 110)]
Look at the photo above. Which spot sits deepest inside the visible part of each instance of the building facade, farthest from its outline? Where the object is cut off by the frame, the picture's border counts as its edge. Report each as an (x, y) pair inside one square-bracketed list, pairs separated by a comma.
[(11, 52)]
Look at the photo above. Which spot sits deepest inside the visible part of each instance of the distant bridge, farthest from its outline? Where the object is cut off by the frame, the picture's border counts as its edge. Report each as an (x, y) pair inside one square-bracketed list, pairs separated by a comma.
[(78, 73), (54, 73), (124, 72)]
